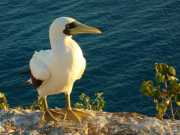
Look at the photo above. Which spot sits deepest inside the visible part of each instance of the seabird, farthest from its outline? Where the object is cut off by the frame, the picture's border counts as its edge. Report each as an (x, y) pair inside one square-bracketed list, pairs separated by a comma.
[(55, 70)]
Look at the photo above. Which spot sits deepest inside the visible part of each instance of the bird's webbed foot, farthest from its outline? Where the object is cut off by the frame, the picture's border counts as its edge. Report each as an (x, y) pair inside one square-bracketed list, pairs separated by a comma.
[(53, 115), (77, 115)]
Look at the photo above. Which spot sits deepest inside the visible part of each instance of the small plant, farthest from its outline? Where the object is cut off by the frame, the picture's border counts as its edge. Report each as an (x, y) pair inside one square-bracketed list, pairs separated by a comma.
[(85, 102), (165, 91), (3, 102)]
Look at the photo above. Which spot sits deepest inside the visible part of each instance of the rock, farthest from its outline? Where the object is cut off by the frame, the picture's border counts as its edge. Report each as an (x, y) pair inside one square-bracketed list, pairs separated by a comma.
[(27, 122)]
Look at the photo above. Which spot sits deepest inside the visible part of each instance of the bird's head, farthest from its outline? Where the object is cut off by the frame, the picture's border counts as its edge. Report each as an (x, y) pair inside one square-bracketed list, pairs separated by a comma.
[(69, 26)]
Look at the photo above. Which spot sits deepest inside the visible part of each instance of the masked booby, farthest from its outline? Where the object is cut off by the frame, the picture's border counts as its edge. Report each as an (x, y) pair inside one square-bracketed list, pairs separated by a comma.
[(55, 70)]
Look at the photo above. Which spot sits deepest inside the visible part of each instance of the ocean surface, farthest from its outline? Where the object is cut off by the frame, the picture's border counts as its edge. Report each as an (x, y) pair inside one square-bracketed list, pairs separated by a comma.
[(136, 34)]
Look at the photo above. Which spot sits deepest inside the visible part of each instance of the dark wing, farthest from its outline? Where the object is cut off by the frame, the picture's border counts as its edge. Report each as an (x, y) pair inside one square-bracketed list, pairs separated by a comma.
[(35, 82)]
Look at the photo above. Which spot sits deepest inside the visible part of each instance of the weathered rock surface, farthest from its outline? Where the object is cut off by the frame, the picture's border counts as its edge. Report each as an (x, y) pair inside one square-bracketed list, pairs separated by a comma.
[(26, 122)]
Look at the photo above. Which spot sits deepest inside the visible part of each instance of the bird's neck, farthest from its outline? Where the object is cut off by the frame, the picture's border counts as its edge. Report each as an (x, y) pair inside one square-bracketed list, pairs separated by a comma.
[(58, 41)]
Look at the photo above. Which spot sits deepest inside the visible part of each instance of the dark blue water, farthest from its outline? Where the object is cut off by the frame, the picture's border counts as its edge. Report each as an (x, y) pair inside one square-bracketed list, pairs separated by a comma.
[(136, 35)]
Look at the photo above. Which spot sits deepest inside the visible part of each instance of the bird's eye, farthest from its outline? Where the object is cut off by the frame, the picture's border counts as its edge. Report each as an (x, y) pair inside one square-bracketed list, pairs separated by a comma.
[(68, 27), (71, 25)]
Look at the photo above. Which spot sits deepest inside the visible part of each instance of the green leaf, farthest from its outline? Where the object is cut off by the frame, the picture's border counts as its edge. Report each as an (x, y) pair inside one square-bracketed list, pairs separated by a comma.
[(161, 68), (3, 101), (172, 71), (174, 87), (171, 78), (79, 105), (99, 94), (160, 78), (82, 96), (161, 109), (98, 103), (147, 88), (156, 93), (177, 99)]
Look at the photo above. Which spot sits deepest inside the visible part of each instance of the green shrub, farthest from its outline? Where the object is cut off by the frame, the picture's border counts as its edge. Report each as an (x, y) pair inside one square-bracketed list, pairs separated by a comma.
[(3, 102), (85, 102), (165, 90)]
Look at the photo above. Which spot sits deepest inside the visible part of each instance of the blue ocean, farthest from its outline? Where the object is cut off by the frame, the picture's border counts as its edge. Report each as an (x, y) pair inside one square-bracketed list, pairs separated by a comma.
[(136, 35)]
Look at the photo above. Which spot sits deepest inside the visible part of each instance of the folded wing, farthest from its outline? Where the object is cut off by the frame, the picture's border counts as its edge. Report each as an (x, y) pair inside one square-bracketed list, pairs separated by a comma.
[(39, 71)]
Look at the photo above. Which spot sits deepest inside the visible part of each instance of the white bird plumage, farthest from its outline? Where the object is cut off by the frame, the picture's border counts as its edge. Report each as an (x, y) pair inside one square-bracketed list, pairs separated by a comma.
[(39, 64), (59, 67)]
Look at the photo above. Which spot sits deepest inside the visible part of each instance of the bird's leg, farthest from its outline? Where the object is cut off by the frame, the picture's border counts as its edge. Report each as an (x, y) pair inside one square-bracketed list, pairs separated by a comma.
[(69, 114), (49, 114), (74, 114)]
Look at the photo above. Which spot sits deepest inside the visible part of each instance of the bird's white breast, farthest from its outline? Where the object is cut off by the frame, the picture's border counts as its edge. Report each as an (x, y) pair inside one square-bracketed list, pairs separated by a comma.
[(66, 66)]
